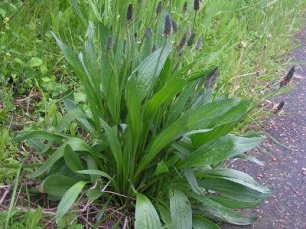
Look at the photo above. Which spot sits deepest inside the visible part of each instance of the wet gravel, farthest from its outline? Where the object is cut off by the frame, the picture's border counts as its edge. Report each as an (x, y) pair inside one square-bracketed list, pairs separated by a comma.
[(285, 164)]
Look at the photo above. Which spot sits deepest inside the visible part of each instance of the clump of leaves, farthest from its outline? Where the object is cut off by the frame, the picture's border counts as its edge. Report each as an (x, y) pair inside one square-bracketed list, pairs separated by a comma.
[(152, 137)]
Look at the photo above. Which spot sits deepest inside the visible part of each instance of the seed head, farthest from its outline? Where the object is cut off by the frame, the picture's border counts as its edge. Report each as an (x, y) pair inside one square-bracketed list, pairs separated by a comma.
[(279, 107), (183, 41), (211, 78), (288, 77), (196, 5), (199, 44), (159, 7), (167, 28), (174, 26), (191, 40), (185, 7), (130, 12)]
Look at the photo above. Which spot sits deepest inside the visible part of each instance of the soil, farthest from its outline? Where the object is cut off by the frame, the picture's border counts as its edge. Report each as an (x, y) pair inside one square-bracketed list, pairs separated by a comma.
[(284, 155)]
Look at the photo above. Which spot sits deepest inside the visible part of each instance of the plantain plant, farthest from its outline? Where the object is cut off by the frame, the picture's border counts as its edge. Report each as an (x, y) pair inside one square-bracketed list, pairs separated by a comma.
[(152, 137)]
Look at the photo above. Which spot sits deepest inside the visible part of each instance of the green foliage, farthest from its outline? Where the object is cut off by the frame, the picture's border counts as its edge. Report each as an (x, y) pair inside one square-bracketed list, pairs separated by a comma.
[(69, 198), (146, 215), (137, 127), (27, 52), (30, 220), (150, 126)]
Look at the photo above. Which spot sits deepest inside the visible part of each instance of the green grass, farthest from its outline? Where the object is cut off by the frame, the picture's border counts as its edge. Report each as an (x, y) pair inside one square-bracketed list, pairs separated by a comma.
[(248, 40)]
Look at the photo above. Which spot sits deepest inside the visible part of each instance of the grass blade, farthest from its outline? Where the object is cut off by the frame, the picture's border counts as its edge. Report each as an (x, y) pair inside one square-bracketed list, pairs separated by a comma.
[(12, 202)]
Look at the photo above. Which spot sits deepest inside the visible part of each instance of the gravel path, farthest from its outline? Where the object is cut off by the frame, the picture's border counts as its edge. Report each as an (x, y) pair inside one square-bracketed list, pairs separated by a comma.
[(285, 164)]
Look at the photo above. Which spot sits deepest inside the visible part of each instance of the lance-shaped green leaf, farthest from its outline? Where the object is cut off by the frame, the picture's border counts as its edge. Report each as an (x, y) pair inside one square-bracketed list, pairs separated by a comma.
[(72, 159), (223, 125), (148, 70), (216, 210), (180, 209), (163, 96), (94, 172), (69, 54), (58, 154), (58, 184), (71, 106), (146, 216), (114, 144), (42, 135), (134, 110), (236, 177), (199, 222), (236, 189), (70, 117), (199, 118), (220, 150), (69, 198)]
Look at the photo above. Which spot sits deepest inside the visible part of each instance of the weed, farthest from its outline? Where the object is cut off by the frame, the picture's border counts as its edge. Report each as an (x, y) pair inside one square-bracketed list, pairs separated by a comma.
[(152, 138)]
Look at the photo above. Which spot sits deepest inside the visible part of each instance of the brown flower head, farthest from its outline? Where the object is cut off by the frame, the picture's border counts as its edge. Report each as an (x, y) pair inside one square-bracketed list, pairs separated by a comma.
[(159, 7), (279, 107), (288, 77), (167, 27), (130, 12), (191, 40), (196, 5)]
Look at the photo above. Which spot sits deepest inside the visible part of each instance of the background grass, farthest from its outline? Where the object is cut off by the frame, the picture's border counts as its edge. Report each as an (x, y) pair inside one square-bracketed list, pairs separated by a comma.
[(248, 39)]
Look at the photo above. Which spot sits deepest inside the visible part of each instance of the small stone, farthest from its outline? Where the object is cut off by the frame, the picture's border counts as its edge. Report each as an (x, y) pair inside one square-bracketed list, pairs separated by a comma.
[(259, 176), (298, 77)]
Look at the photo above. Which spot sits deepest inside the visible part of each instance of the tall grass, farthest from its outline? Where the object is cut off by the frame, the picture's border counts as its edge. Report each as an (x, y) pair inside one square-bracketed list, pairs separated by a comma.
[(29, 58), (265, 27), (252, 39)]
